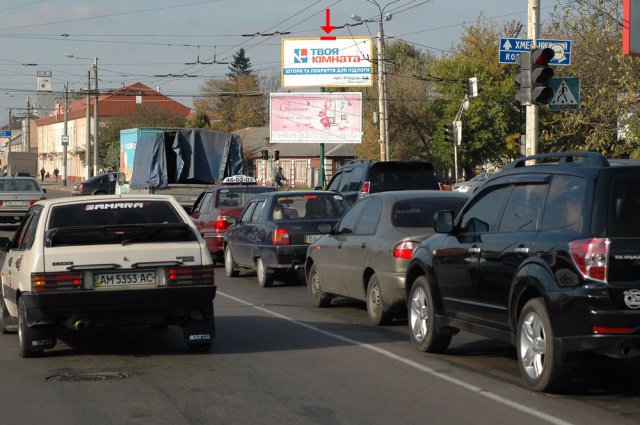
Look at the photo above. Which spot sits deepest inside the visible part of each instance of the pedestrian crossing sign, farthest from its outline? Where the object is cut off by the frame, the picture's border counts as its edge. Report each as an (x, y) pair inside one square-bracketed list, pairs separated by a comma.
[(566, 93)]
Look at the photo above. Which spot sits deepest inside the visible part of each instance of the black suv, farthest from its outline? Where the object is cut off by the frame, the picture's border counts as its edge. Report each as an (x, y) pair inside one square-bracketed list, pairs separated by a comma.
[(546, 256), (360, 177)]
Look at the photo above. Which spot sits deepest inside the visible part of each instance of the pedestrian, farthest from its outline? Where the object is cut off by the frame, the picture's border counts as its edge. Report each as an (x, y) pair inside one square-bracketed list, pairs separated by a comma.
[(55, 174), (279, 179), (42, 171)]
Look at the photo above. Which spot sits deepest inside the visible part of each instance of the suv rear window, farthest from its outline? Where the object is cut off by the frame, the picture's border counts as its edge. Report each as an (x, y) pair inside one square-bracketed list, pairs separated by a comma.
[(309, 206), (625, 206), (402, 176), (419, 212)]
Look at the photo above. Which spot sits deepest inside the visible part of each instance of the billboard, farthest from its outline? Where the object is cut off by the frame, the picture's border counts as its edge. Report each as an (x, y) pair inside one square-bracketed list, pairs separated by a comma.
[(311, 62), (631, 27), (316, 117)]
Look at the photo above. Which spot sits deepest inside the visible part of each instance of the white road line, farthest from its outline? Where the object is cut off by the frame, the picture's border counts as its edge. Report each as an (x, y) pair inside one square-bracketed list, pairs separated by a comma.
[(517, 406)]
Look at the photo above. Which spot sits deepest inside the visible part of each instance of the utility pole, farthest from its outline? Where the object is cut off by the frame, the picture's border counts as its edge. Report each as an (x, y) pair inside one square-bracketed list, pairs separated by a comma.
[(87, 154), (9, 151), (531, 137), (381, 94), (65, 140), (96, 144)]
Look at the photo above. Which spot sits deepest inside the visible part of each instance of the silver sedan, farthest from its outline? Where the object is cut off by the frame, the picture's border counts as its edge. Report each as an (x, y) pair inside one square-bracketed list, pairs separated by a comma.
[(17, 194)]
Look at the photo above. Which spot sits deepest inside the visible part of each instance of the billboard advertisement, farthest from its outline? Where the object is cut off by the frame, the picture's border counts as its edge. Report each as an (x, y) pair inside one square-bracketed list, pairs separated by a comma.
[(316, 117), (311, 62)]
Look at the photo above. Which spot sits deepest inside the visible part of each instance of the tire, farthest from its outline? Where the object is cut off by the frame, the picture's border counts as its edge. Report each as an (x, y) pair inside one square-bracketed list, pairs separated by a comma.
[(422, 310), (99, 192), (537, 358), (7, 323), (375, 310), (318, 297), (40, 336), (230, 268), (264, 275)]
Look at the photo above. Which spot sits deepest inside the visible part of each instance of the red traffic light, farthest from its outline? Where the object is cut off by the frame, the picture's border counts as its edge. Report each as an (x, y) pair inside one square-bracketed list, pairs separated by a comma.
[(541, 57)]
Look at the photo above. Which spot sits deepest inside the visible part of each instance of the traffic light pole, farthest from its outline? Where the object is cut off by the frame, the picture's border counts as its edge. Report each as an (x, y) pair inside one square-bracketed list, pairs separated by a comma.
[(531, 135)]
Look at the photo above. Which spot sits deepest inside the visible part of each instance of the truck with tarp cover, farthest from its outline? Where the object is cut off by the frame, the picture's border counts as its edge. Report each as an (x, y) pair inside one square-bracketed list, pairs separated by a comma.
[(177, 162)]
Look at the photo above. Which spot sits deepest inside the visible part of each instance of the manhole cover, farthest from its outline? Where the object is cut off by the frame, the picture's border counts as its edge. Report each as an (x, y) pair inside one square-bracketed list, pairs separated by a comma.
[(89, 376)]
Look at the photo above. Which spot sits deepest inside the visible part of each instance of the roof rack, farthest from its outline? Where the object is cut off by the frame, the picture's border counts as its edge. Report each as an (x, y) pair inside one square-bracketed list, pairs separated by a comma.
[(582, 159)]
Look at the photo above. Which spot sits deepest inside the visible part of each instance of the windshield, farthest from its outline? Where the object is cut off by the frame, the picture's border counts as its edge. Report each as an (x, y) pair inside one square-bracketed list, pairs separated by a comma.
[(308, 206), (402, 176), (18, 185)]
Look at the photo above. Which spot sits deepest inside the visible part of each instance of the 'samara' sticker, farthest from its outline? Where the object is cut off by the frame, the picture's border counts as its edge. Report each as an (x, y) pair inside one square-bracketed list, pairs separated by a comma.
[(114, 206)]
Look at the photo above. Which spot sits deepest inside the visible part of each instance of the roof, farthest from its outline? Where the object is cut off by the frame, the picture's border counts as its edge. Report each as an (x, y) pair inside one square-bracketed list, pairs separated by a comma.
[(122, 101), (255, 139)]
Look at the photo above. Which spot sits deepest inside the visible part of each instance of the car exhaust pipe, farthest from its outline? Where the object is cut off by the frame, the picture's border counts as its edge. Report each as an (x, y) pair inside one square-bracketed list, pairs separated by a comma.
[(80, 324)]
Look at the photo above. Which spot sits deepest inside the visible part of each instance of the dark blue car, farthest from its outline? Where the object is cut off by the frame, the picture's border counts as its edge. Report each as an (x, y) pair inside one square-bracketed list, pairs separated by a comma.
[(275, 228)]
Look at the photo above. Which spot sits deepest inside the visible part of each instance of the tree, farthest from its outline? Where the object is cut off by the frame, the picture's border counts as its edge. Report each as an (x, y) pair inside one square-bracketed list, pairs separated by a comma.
[(143, 116), (241, 64)]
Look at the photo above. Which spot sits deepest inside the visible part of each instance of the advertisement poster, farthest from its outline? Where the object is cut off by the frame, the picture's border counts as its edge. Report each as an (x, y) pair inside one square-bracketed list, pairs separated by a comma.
[(343, 62), (316, 117)]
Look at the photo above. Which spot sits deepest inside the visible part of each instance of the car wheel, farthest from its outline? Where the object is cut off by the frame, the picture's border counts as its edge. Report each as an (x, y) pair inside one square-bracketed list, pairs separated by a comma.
[(99, 192), (230, 269), (264, 274), (7, 323), (422, 310), (537, 358), (40, 336), (375, 310), (318, 297)]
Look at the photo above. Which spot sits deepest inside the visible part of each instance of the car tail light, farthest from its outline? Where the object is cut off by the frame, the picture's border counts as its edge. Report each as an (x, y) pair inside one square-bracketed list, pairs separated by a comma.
[(178, 276), (41, 282), (365, 190), (611, 330), (440, 186), (404, 249), (33, 201), (280, 237), (222, 223), (591, 257)]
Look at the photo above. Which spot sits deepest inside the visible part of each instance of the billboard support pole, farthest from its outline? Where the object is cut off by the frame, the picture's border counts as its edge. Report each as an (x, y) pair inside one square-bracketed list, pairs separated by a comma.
[(322, 178)]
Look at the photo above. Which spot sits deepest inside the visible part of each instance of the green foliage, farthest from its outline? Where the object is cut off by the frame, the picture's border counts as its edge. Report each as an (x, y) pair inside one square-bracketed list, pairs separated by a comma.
[(143, 116), (241, 65)]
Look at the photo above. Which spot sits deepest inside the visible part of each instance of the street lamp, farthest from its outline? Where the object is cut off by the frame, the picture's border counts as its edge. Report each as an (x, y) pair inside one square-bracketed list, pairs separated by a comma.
[(93, 169), (383, 120)]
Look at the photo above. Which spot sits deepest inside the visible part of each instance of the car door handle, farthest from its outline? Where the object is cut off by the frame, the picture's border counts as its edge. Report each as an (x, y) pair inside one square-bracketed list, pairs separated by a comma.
[(363, 245), (474, 250), (339, 246), (522, 249)]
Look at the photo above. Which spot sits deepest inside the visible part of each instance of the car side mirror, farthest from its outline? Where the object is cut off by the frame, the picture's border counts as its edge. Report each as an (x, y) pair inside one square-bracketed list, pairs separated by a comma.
[(4, 243), (122, 179), (317, 188), (44, 190), (232, 221), (443, 221)]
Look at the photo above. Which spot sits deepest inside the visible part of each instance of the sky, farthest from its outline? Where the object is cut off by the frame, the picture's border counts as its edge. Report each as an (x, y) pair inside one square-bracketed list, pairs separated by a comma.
[(150, 41)]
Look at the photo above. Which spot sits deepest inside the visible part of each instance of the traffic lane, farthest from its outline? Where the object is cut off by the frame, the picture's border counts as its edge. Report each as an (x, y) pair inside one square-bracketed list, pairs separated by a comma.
[(612, 386)]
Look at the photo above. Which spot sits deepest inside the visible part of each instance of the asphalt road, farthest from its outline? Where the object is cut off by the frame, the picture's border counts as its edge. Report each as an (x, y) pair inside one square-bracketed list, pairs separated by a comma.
[(277, 359)]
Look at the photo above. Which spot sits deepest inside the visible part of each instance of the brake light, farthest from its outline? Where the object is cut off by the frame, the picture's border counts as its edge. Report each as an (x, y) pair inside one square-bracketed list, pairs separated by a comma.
[(280, 237), (222, 223), (610, 330), (591, 257), (33, 201), (404, 249), (440, 186), (190, 276), (56, 281), (365, 190)]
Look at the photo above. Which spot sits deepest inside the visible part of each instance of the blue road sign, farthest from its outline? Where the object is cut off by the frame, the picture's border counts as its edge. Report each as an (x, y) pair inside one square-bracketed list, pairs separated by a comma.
[(510, 49), (5, 134)]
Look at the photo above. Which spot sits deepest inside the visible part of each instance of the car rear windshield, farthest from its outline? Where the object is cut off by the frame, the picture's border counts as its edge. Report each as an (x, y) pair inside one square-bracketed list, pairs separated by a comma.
[(238, 196), (402, 176), (308, 206), (419, 212), (625, 206), (18, 185), (119, 222)]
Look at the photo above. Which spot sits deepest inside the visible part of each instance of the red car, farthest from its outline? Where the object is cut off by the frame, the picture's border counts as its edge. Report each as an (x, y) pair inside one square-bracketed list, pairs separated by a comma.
[(214, 207)]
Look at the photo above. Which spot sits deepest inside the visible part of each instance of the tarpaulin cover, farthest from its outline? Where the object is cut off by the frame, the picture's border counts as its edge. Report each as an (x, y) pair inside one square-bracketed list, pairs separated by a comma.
[(196, 155)]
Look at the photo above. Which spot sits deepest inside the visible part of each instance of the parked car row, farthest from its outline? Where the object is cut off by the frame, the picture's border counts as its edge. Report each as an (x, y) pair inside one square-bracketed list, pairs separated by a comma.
[(543, 255)]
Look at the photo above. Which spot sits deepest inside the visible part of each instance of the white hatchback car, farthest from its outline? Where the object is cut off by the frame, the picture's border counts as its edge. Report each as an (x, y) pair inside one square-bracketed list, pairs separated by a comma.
[(105, 261)]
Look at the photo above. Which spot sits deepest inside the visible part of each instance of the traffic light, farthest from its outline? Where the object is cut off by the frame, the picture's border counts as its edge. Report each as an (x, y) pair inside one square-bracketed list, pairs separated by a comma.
[(470, 87), (449, 132), (534, 77), (264, 154), (276, 155)]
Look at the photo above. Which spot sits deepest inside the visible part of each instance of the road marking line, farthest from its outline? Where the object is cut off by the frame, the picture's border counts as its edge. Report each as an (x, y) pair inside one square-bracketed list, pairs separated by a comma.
[(517, 406)]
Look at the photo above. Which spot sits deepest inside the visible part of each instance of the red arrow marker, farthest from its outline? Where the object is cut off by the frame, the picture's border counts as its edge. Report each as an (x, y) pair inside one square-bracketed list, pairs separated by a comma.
[(328, 27)]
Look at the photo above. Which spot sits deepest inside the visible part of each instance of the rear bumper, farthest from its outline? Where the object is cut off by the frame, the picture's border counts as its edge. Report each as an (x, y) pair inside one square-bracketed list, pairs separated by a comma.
[(392, 288), (12, 214), (125, 307), (215, 244), (284, 257)]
